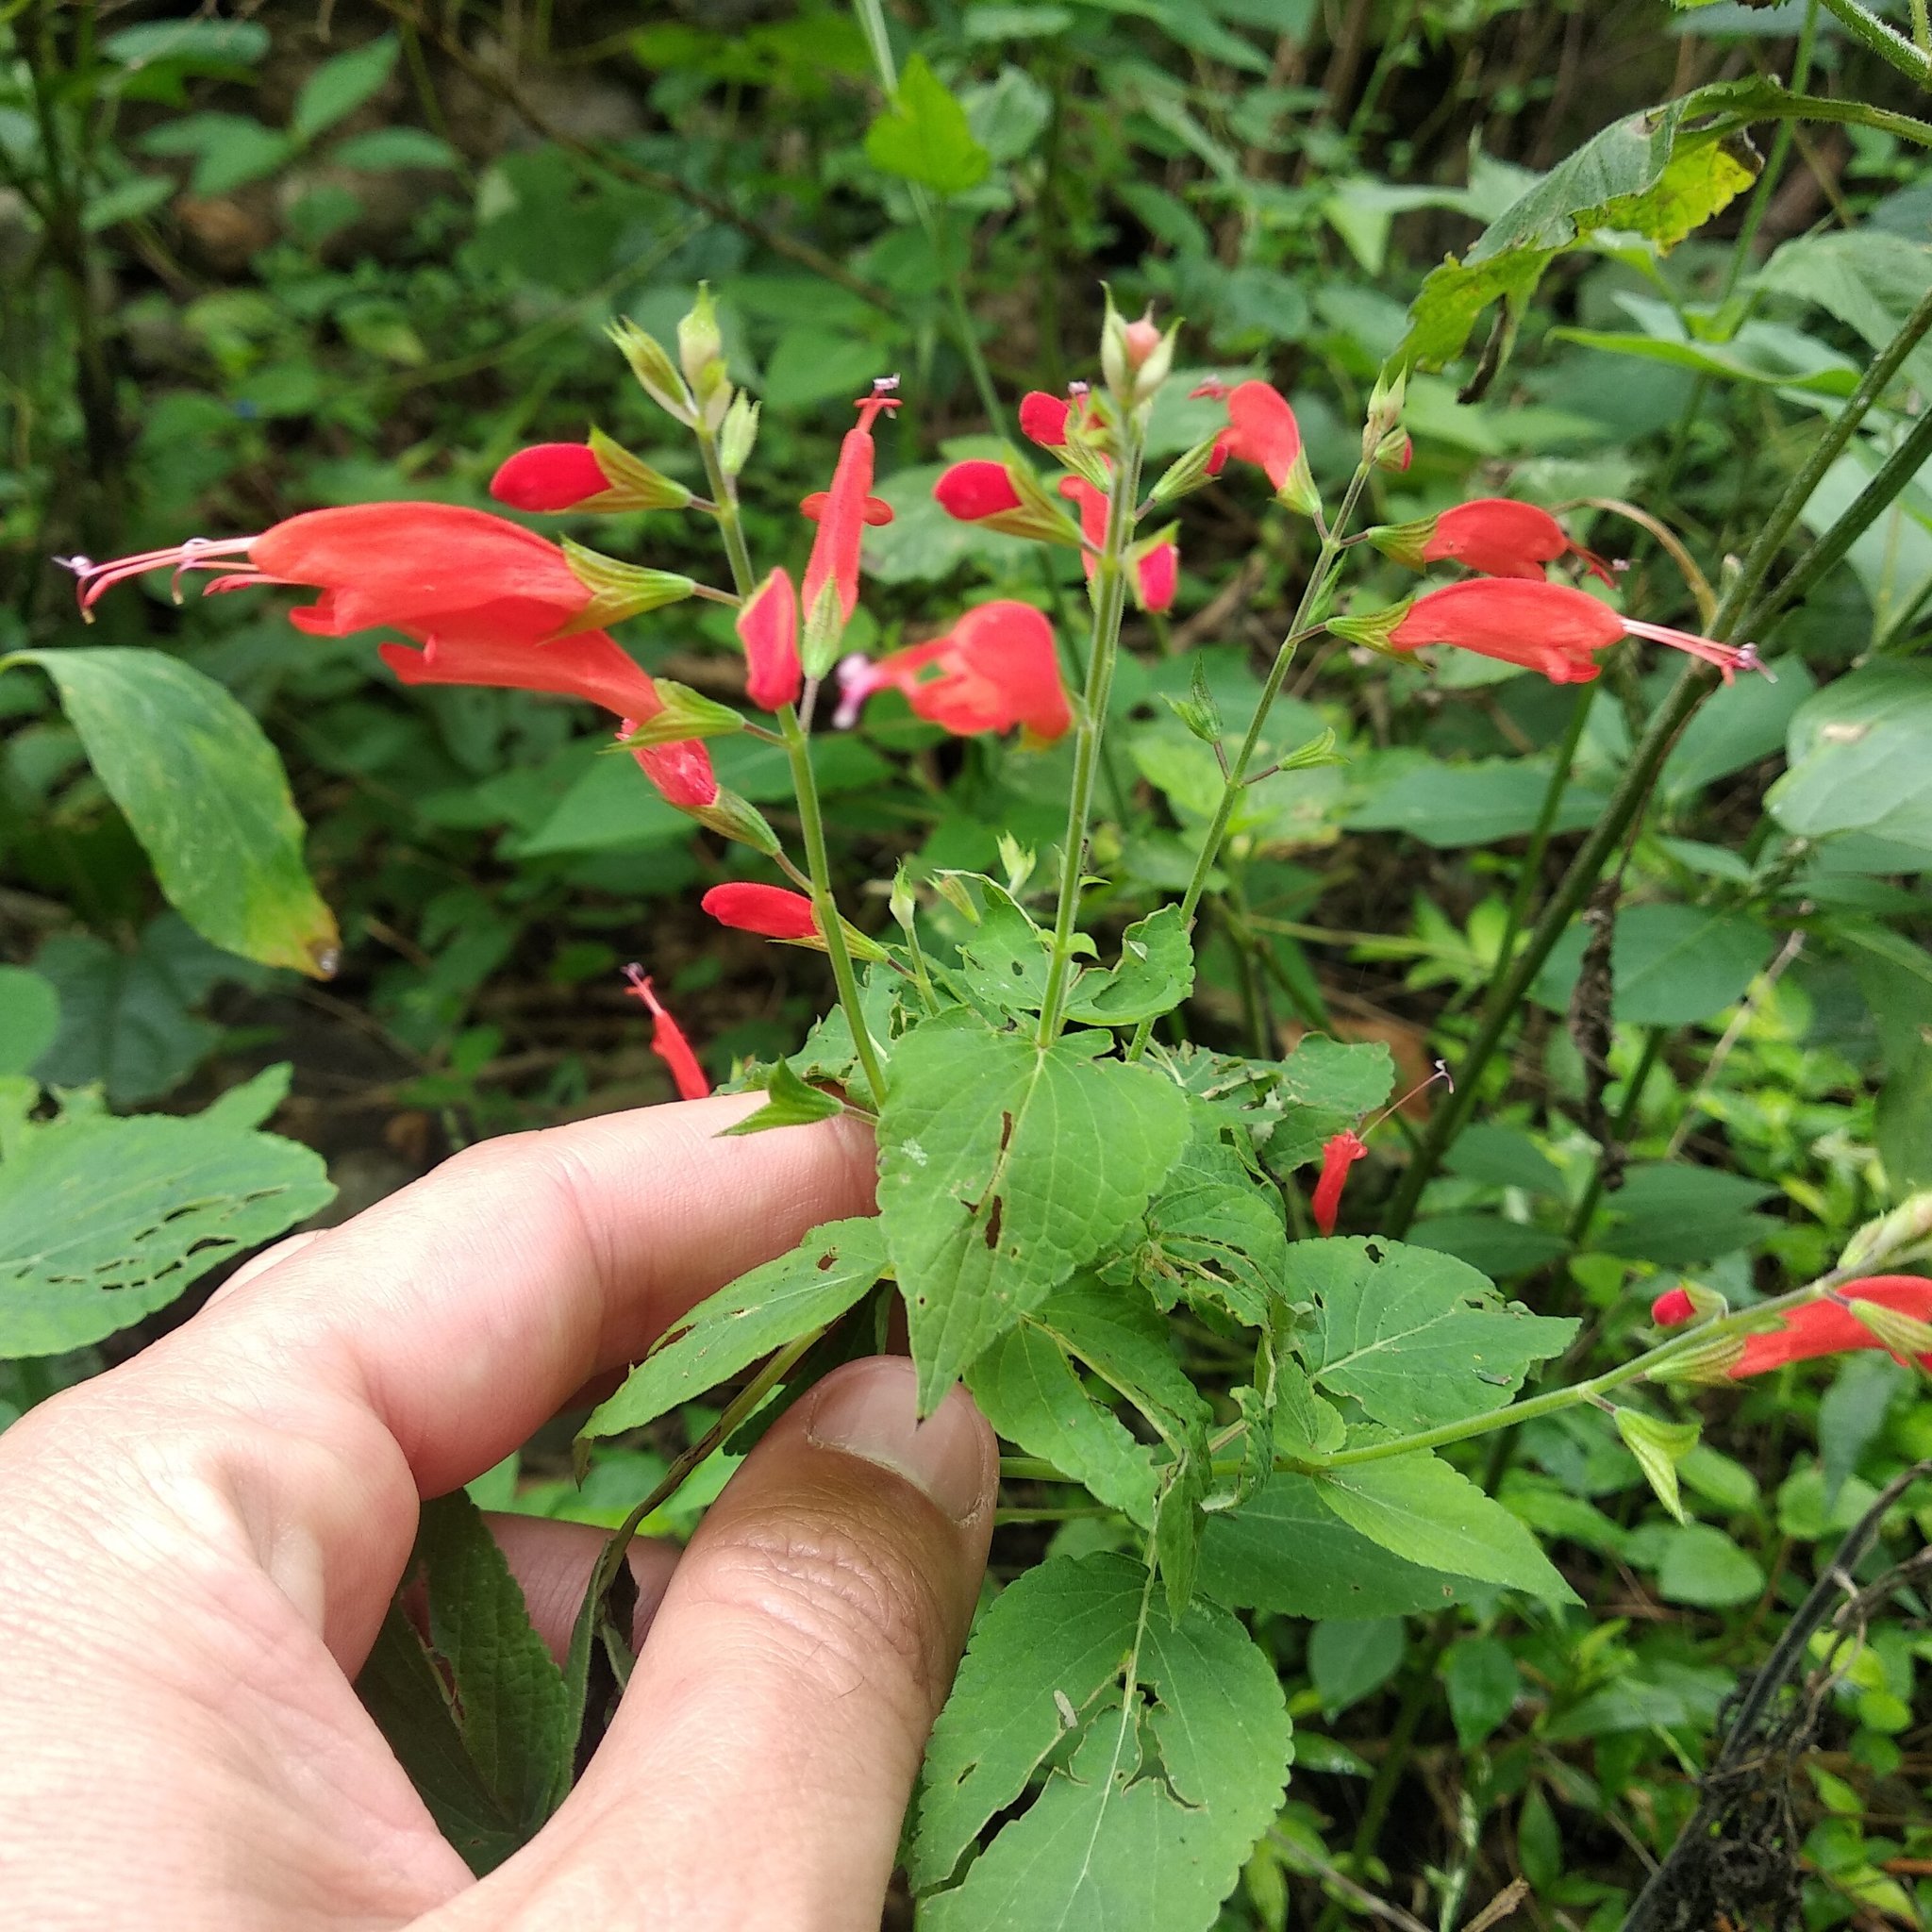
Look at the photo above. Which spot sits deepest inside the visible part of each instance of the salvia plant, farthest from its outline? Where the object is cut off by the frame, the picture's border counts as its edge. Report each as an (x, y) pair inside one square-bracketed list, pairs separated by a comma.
[(1067, 1187)]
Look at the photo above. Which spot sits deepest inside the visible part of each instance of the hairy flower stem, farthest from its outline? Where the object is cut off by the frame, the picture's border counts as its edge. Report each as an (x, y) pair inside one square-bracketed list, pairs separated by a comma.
[(1110, 605), (1315, 588), (803, 782), (1646, 760)]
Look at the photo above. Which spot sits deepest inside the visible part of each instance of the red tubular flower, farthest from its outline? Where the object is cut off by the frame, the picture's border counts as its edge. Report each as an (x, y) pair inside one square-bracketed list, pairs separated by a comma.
[(590, 665), (668, 1041), (1340, 1153), (1500, 537), (975, 490), (768, 629), (1549, 628), (842, 511), (768, 910), (424, 569), (998, 668), (1044, 418), (549, 477), (1831, 1327), (1673, 1308), (1157, 574), (1261, 429)]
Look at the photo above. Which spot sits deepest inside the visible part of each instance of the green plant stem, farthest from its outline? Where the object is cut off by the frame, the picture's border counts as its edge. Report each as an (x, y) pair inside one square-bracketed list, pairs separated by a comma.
[(1633, 790), (811, 821), (1109, 603), (1545, 822), (1886, 41), (1774, 162), (1312, 589)]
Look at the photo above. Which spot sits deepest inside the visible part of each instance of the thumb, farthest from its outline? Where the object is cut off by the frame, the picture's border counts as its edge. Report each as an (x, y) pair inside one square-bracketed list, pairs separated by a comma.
[(758, 1768)]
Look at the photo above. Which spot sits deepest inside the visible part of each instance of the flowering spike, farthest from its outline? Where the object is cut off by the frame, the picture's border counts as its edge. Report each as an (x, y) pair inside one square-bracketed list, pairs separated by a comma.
[(1340, 1153), (668, 1040)]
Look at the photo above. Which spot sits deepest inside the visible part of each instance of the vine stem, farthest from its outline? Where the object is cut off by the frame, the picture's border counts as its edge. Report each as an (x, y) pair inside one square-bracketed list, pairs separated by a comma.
[(1237, 767), (1886, 41), (1110, 605), (1633, 790), (804, 781)]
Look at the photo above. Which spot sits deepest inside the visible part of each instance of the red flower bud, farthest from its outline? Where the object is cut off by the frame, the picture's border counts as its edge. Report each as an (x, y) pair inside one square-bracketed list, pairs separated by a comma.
[(549, 477), (977, 488), (1044, 418), (1342, 1152), (680, 770), (769, 910), (1673, 1308)]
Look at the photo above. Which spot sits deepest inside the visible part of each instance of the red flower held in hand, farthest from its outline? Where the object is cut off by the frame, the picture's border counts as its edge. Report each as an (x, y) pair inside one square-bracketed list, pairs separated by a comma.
[(845, 510), (769, 910), (1549, 628), (424, 569), (1340, 1153), (668, 1041), (998, 668), (1157, 568), (1831, 1326), (1495, 534), (768, 629)]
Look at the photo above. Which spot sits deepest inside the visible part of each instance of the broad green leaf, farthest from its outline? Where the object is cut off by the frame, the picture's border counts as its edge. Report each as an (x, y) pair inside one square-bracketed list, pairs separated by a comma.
[(231, 149), (1502, 1158), (194, 44), (1474, 804), (760, 1312), (1284, 1550), (1421, 1509), (29, 1017), (206, 797), (104, 1220), (924, 136), (125, 1017), (252, 1103), (478, 1716), (1155, 974), (1454, 293), (1670, 965), (1220, 1243), (339, 87), (1120, 1335), (1030, 1394), (1490, 1243), (1417, 1338), (1321, 1086), (1701, 1566), (1004, 957), (1101, 1844), (1866, 277), (1852, 1413), (1351, 1659), (1860, 758), (1751, 723), (1483, 1683), (1892, 558), (383, 148), (1677, 1214), (1003, 1168), (1761, 352)]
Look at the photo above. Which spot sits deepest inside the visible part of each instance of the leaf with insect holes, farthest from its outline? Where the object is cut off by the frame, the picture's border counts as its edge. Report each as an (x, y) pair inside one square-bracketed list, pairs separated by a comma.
[(1152, 1805), (1220, 1243), (1416, 1337), (1155, 974), (1005, 1166), (827, 1272)]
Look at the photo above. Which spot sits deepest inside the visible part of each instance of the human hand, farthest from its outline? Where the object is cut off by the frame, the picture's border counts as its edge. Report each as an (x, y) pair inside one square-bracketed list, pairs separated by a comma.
[(196, 1551)]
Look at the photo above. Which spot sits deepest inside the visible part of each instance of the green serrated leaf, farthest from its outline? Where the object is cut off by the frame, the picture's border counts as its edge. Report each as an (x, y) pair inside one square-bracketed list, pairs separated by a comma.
[(1429, 1513), (826, 1274), (208, 799), (1100, 1844), (1659, 1447), (1028, 1391), (1155, 974), (924, 136), (1001, 1169), (1416, 1337), (790, 1104), (254, 1101), (1321, 1086), (1004, 957), (104, 1220), (1220, 1243)]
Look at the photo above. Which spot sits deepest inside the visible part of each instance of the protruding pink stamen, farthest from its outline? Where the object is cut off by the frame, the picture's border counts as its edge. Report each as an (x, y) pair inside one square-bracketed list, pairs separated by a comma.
[(197, 553), (1729, 658)]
